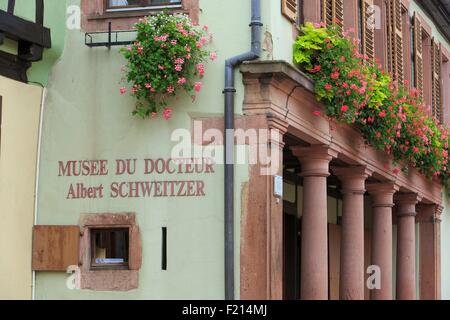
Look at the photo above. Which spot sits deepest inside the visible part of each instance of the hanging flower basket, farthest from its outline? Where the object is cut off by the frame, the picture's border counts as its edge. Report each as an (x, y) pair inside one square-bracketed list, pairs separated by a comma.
[(167, 58)]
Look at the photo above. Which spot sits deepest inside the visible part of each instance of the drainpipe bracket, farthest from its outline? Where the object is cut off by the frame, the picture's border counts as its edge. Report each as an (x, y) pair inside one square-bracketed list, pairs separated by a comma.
[(228, 90)]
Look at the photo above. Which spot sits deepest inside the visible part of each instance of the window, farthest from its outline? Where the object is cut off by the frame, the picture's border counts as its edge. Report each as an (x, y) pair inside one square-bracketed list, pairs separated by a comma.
[(125, 5), (109, 248)]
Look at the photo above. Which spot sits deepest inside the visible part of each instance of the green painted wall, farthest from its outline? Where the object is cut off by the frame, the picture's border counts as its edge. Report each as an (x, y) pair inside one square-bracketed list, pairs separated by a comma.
[(55, 19), (86, 118)]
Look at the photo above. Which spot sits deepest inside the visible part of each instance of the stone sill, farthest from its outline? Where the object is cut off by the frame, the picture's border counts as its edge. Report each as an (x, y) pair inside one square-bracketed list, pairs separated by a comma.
[(130, 14)]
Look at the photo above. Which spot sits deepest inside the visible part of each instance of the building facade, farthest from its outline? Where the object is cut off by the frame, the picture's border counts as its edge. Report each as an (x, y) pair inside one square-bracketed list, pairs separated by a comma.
[(329, 214)]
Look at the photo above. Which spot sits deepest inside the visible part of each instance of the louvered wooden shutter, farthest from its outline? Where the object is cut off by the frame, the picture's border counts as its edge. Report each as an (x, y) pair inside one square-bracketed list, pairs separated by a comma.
[(418, 56), (333, 12), (368, 29), (436, 64), (395, 39), (290, 9)]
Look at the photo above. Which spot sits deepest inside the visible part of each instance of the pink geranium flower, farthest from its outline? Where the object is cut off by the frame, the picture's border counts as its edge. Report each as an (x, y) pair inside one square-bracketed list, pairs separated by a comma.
[(167, 113), (198, 86), (335, 75), (123, 90)]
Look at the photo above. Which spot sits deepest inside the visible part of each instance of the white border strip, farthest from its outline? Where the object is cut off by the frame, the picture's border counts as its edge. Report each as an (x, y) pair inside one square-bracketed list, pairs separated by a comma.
[(38, 162)]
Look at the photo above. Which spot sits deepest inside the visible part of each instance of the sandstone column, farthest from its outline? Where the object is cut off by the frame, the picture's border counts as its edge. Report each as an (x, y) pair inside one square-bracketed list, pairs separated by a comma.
[(351, 283), (314, 256), (406, 246), (429, 217), (382, 202)]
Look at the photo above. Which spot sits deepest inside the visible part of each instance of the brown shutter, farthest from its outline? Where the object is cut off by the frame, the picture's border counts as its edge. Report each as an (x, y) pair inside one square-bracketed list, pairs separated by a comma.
[(418, 55), (436, 64), (55, 247), (333, 12), (368, 29), (395, 39), (289, 8)]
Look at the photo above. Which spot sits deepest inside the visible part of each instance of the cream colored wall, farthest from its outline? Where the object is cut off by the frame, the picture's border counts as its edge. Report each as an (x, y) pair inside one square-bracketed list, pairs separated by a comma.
[(19, 140)]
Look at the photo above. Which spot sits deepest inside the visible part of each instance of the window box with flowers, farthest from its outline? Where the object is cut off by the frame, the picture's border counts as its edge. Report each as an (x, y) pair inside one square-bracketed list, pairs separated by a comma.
[(168, 57), (356, 91)]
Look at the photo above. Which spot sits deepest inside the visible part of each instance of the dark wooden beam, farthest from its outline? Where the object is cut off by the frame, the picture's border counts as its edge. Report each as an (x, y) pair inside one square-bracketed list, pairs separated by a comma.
[(11, 5), (40, 12), (13, 67), (18, 29), (29, 51), (2, 38)]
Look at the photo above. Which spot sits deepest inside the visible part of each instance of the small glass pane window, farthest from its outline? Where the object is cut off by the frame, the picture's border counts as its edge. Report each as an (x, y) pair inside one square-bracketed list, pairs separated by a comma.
[(110, 248)]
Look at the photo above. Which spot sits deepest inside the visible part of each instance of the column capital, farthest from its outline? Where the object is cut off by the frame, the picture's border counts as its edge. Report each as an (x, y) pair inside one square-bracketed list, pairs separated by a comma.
[(406, 203), (382, 193), (407, 198), (280, 125), (277, 123), (315, 160), (438, 213), (353, 178), (429, 213)]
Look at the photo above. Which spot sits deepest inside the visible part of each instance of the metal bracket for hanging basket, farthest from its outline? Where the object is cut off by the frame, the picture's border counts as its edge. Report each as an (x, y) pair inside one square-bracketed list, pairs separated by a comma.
[(113, 38)]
